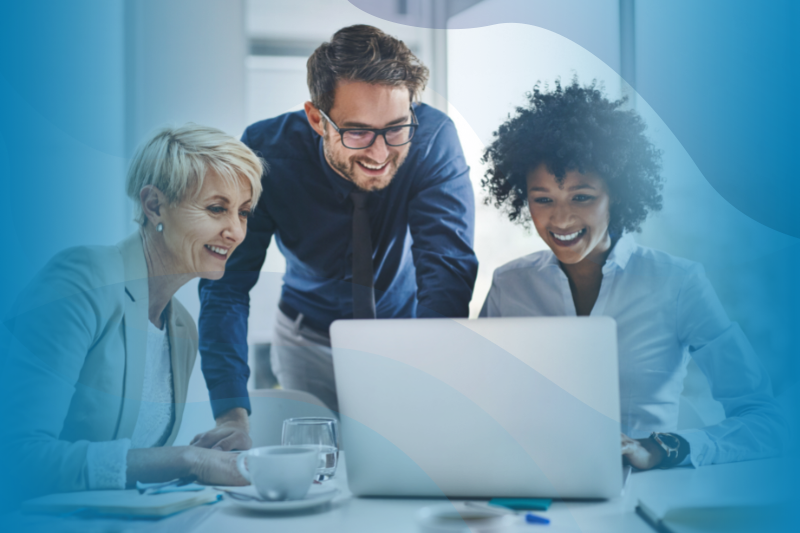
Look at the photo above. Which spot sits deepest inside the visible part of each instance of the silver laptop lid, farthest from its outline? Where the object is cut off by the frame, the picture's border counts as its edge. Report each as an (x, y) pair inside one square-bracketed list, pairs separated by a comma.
[(515, 407)]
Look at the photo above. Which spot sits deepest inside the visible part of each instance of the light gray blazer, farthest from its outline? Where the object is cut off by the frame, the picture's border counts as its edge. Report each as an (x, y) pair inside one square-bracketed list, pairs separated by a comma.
[(76, 367)]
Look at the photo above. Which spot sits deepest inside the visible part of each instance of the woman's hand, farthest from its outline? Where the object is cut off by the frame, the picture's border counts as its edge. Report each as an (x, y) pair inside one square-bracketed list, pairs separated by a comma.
[(213, 467), (643, 454)]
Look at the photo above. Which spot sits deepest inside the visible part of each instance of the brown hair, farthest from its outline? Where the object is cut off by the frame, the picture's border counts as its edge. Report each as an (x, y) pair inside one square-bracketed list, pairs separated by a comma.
[(362, 53)]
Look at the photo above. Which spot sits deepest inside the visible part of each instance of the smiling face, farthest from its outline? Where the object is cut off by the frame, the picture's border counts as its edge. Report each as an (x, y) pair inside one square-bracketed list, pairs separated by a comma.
[(571, 216), (365, 105), (202, 231)]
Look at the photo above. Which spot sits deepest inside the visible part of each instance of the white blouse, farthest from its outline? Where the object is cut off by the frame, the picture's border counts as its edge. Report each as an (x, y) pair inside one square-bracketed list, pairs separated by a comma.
[(666, 312), (107, 461)]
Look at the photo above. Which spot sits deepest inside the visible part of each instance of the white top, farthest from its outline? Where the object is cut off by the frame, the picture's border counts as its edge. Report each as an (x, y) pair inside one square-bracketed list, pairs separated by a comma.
[(107, 461), (666, 311)]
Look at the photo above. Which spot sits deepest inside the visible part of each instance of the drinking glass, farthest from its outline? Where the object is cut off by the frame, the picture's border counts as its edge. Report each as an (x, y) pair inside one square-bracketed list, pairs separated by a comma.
[(321, 433)]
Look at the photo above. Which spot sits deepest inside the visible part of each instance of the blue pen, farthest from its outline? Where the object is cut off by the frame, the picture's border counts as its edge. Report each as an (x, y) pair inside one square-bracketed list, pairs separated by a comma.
[(536, 519)]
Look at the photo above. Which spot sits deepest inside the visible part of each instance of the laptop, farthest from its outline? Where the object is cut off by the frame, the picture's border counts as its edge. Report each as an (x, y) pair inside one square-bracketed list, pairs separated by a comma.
[(494, 407)]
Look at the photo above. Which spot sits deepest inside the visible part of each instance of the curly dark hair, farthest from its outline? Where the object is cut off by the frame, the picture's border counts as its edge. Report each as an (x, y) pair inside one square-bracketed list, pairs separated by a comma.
[(576, 128)]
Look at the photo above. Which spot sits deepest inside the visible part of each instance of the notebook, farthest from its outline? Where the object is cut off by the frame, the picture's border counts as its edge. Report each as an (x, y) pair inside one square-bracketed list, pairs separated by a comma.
[(750, 496), (715, 519), (120, 502)]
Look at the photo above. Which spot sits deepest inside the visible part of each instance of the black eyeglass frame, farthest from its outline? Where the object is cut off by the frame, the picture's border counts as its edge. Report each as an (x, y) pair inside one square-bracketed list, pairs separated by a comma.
[(377, 131)]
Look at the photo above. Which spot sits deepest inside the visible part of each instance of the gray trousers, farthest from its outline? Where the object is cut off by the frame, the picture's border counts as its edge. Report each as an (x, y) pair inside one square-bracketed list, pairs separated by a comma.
[(301, 359)]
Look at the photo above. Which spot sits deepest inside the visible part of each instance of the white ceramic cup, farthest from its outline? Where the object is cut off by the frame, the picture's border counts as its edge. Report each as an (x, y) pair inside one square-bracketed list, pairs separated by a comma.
[(279, 472)]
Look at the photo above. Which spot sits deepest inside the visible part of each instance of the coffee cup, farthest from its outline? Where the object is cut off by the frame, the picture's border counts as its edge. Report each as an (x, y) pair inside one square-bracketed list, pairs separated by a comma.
[(279, 472)]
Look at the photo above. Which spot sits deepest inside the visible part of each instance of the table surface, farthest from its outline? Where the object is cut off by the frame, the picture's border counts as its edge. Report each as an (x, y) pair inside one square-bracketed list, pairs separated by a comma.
[(749, 482), (350, 514)]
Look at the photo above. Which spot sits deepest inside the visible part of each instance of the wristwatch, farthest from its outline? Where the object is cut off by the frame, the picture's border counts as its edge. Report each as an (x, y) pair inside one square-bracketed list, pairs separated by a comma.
[(675, 448)]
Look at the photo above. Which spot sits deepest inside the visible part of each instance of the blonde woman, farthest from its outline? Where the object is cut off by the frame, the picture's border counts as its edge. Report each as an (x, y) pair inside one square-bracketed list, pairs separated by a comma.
[(102, 351)]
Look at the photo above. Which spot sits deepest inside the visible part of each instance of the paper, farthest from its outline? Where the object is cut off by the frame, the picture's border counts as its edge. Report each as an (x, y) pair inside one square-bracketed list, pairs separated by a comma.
[(742, 519)]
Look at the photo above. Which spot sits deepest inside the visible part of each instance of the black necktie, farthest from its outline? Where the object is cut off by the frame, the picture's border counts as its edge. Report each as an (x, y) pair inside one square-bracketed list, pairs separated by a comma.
[(363, 291)]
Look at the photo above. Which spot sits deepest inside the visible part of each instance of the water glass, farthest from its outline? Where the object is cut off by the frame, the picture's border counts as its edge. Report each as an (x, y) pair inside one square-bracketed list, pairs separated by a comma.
[(321, 433)]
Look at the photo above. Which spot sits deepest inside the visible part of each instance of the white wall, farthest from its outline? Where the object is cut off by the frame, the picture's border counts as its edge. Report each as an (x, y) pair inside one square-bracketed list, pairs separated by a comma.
[(186, 63), (315, 21)]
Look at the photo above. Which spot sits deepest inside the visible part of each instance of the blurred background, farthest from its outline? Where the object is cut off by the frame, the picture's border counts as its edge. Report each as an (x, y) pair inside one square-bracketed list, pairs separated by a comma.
[(85, 82)]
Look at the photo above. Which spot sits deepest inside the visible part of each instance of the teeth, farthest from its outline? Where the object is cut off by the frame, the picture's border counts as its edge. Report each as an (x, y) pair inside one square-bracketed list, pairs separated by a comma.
[(567, 237), (373, 167), (220, 251)]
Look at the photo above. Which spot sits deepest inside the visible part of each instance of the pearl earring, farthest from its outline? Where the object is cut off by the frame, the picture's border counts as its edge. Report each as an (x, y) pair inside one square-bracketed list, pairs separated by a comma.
[(160, 227)]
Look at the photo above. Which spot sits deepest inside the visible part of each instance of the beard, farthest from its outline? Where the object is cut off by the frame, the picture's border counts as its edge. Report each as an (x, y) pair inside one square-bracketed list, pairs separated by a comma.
[(349, 170)]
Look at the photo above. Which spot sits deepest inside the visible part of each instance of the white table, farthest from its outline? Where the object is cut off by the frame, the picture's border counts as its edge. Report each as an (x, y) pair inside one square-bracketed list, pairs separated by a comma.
[(355, 515), (771, 480)]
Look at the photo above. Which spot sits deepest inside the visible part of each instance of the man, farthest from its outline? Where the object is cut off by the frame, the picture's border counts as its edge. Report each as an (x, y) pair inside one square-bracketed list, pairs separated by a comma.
[(369, 199)]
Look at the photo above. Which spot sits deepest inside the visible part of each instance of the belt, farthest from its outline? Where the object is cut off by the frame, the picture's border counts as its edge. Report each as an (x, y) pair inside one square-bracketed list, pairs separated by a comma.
[(293, 313)]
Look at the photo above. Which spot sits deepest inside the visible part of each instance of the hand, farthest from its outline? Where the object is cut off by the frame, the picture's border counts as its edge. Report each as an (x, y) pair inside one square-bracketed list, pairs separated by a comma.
[(643, 454), (232, 433), (212, 467)]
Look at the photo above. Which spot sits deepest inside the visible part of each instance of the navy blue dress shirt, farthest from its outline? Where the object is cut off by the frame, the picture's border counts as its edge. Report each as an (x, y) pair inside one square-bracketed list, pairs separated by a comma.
[(422, 233)]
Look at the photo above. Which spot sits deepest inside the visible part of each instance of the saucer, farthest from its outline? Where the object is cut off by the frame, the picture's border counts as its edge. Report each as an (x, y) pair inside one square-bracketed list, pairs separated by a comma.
[(316, 496)]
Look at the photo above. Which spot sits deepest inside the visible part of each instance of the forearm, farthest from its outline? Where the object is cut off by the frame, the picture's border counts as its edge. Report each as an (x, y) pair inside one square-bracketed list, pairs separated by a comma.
[(445, 287), (755, 435), (445, 263), (223, 340), (210, 467), (152, 465)]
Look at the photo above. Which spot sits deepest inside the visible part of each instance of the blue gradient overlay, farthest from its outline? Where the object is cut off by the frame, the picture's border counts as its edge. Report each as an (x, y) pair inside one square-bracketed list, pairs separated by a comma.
[(719, 78)]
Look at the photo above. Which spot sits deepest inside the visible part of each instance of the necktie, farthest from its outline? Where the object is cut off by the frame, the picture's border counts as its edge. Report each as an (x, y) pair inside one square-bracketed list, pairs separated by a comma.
[(363, 291)]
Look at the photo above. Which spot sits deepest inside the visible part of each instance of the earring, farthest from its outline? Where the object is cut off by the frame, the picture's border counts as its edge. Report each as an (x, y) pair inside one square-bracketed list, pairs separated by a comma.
[(160, 227)]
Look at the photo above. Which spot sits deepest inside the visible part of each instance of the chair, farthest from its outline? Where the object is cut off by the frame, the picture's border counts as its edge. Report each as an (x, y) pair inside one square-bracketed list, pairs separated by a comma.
[(270, 407)]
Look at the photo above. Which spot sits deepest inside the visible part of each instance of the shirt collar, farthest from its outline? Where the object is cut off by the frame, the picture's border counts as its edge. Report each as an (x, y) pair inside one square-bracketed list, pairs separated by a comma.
[(622, 251), (619, 256)]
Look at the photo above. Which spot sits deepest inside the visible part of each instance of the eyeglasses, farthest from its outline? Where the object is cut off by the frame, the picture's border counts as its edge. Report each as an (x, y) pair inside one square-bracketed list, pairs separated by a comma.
[(361, 138)]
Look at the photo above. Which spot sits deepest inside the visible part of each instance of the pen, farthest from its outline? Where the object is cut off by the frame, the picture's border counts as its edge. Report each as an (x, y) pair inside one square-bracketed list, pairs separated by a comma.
[(536, 519), (155, 487), (530, 518)]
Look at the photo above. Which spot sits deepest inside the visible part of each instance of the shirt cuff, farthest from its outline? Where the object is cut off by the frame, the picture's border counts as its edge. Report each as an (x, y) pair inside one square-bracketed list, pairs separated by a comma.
[(701, 448), (107, 464), (228, 395)]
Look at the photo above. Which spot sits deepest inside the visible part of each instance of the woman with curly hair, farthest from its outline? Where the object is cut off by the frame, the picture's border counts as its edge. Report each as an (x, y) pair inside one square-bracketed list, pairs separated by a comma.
[(589, 178)]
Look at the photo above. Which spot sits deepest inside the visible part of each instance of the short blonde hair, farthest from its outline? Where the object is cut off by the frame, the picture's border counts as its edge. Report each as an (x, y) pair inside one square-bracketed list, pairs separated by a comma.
[(176, 160)]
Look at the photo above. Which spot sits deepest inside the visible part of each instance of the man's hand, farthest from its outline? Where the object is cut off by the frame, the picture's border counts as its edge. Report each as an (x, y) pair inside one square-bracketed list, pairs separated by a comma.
[(643, 454), (232, 433)]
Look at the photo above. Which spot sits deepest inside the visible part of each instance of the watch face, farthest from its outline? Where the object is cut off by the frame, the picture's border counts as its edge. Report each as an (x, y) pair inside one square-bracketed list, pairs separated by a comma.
[(670, 440)]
